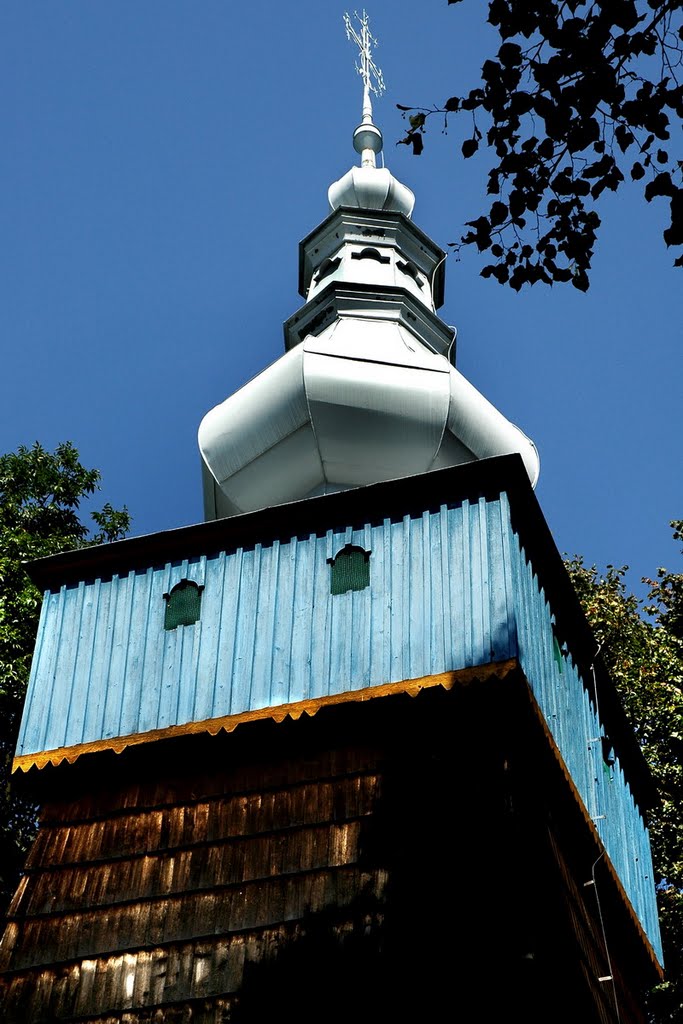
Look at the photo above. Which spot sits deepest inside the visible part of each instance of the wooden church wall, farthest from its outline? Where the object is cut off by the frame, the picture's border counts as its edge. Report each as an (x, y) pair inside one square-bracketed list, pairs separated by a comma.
[(270, 631), (393, 858), (455, 589), (449, 590), (569, 704)]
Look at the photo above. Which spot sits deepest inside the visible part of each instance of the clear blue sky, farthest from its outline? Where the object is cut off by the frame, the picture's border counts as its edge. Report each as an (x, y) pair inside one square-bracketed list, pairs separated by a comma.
[(161, 161)]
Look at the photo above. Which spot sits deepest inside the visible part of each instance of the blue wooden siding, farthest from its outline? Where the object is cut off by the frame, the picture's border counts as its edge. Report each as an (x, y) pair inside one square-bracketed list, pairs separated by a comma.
[(270, 631), (573, 719), (449, 590)]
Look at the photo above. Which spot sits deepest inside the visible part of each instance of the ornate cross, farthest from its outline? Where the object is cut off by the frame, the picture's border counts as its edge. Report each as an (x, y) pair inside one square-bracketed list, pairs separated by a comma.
[(367, 69)]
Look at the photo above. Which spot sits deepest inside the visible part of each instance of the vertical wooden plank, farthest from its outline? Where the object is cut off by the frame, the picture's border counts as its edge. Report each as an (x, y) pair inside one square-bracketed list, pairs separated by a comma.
[(133, 640), (304, 568), (415, 596), (509, 559), (230, 611), (406, 597), (499, 618), (163, 644), (82, 615), (284, 591), (444, 571), (374, 540), (476, 567), (395, 576), (459, 626), (212, 637), (168, 690), (206, 639), (338, 671), (56, 724), (483, 653), (264, 612), (383, 598), (423, 663), (176, 696), (437, 585), (188, 680), (121, 611), (467, 567), (39, 692), (99, 659), (149, 649), (246, 630), (321, 617), (359, 624)]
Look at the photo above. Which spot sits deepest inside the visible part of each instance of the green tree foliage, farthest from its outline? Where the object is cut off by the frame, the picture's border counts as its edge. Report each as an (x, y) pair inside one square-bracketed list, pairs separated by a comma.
[(578, 95), (644, 654), (40, 496)]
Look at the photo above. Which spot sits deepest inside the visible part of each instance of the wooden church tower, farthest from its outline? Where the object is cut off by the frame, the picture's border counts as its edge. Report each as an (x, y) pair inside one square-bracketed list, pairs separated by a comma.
[(344, 751)]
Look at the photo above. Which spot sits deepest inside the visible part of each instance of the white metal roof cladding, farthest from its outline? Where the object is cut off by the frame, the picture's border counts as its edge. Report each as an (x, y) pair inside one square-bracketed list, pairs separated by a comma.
[(362, 402), (367, 390), (371, 188)]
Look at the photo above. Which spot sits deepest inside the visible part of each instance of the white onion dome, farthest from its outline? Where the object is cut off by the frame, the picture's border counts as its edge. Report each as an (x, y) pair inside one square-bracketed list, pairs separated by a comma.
[(367, 389), (369, 187)]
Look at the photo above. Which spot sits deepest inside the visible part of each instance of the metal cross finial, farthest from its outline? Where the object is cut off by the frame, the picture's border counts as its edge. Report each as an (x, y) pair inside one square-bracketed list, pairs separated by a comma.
[(367, 69)]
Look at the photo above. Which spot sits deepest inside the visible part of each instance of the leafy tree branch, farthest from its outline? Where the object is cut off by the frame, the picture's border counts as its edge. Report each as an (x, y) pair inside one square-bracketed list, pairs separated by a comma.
[(40, 497), (562, 112)]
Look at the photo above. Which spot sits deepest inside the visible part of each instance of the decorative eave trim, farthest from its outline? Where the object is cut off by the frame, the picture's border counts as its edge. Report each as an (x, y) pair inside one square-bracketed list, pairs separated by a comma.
[(212, 726)]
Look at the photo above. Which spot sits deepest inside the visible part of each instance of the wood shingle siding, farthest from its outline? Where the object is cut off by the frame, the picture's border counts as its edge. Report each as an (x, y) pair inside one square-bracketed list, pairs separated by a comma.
[(361, 805), (383, 866)]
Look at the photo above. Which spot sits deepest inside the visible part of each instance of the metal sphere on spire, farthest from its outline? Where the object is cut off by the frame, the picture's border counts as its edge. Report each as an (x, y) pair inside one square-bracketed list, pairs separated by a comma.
[(367, 138), (368, 186)]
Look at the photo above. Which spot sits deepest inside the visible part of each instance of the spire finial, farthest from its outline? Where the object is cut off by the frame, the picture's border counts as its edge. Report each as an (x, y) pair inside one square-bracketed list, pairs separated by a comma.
[(367, 138)]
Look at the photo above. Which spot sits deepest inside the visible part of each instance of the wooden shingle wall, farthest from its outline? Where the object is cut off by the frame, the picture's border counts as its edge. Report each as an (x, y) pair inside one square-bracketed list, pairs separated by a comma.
[(388, 858), (449, 590)]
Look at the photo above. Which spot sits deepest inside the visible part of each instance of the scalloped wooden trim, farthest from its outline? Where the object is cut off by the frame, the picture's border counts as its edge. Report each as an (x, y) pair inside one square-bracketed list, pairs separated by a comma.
[(70, 754)]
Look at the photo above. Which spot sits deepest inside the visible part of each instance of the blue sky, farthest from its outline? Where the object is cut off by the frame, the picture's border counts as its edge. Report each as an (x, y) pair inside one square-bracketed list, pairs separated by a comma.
[(162, 160)]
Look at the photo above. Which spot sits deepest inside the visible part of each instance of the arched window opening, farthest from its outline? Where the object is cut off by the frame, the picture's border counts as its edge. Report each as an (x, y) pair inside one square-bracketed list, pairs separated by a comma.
[(560, 649), (349, 570), (183, 604), (327, 267), (608, 755), (411, 270), (370, 254)]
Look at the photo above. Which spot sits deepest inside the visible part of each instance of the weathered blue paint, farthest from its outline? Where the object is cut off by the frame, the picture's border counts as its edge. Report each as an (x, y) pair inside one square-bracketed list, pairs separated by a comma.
[(270, 631), (449, 590), (572, 716)]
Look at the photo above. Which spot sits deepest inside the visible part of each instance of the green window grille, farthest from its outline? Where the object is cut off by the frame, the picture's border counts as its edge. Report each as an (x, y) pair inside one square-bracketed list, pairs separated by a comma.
[(183, 604), (349, 570)]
